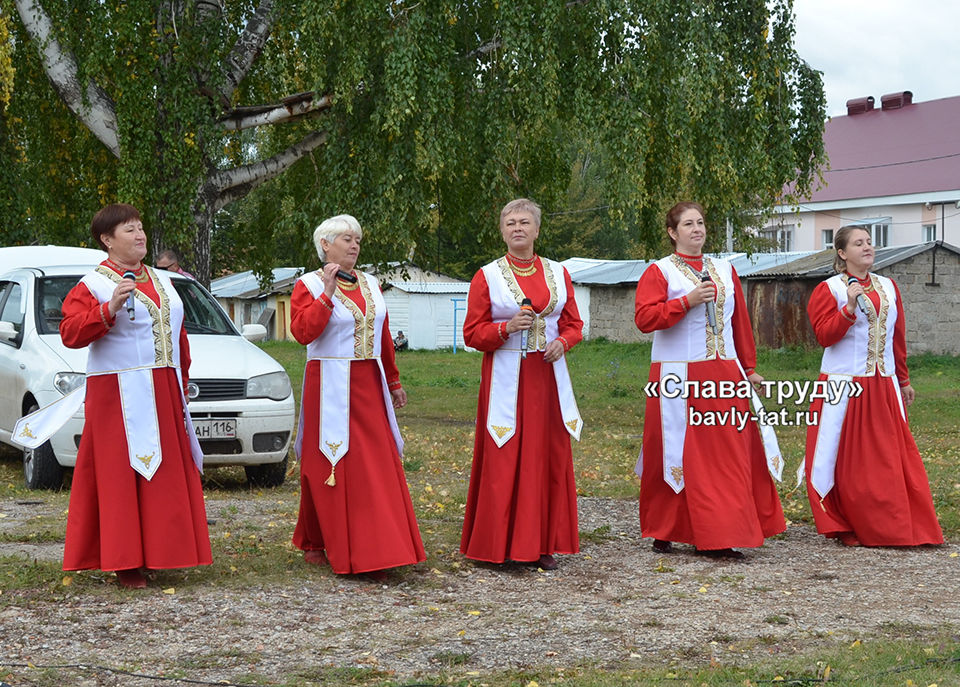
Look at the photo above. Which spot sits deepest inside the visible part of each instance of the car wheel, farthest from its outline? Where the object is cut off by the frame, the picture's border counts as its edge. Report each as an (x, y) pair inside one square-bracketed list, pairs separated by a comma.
[(40, 467), (267, 475)]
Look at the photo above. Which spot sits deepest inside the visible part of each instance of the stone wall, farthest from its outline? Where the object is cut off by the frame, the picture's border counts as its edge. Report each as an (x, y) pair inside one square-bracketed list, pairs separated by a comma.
[(933, 312), (611, 314)]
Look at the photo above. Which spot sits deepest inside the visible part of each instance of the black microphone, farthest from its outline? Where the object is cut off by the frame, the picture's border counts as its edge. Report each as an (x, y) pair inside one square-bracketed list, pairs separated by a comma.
[(345, 276), (711, 306), (525, 304), (130, 275), (861, 299)]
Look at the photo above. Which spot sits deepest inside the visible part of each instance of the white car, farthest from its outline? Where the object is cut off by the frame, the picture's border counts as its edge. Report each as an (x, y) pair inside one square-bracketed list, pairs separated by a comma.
[(241, 400)]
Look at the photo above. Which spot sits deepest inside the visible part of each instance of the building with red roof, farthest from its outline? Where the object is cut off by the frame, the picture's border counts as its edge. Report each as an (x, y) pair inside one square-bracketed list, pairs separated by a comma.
[(893, 169)]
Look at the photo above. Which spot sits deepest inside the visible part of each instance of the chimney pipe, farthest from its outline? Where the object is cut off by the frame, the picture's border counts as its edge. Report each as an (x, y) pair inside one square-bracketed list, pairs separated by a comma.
[(894, 101), (860, 105)]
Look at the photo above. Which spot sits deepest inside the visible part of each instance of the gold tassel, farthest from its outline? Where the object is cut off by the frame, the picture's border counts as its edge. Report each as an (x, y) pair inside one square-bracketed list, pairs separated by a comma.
[(332, 480)]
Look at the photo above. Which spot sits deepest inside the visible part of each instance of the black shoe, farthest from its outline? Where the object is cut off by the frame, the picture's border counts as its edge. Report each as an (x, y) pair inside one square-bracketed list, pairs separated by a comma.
[(662, 546), (547, 562), (731, 554)]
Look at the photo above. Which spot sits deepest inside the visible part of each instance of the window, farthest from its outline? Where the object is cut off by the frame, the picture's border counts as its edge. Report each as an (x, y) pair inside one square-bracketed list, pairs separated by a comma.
[(13, 310), (826, 237), (928, 232), (778, 239), (880, 233)]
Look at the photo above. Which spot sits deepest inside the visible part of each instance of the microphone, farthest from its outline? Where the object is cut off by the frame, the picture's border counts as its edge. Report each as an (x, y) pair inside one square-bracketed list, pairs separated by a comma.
[(345, 276), (861, 299), (525, 304), (711, 305), (130, 275)]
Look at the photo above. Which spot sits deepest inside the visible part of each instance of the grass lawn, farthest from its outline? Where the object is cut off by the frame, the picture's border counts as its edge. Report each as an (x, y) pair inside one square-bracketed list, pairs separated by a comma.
[(438, 425)]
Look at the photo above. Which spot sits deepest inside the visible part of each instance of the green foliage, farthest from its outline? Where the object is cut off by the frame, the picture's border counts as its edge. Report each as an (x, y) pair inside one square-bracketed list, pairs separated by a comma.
[(442, 111)]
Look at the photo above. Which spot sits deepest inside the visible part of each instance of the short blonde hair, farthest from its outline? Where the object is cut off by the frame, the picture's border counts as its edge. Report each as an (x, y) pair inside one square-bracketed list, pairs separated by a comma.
[(330, 229), (521, 205)]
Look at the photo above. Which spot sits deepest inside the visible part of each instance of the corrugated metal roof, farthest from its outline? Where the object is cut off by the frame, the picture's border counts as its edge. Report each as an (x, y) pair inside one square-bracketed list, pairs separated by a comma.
[(820, 265), (460, 287), (245, 285), (609, 272)]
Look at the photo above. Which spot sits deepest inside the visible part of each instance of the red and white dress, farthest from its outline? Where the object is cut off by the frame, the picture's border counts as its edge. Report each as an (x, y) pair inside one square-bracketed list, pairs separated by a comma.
[(522, 501), (136, 500), (354, 501), (705, 485), (865, 476)]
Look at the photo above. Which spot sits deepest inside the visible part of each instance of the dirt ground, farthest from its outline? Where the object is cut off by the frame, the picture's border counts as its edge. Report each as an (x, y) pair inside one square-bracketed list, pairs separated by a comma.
[(616, 604)]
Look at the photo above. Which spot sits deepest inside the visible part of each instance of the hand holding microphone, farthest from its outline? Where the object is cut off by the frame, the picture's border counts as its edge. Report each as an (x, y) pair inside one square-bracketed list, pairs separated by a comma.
[(853, 282), (133, 277), (710, 304), (525, 316), (344, 276)]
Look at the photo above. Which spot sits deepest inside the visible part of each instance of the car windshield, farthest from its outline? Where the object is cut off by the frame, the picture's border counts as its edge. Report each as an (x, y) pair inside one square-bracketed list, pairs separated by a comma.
[(201, 313)]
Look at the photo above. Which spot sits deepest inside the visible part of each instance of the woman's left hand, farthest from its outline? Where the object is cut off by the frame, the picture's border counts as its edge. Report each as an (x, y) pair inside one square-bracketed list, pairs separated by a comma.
[(908, 394), (553, 352), (399, 397), (755, 379)]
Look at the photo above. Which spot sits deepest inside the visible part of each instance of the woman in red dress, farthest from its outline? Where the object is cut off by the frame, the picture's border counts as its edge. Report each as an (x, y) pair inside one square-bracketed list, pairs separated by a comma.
[(136, 500), (865, 477), (521, 312), (355, 509), (705, 466)]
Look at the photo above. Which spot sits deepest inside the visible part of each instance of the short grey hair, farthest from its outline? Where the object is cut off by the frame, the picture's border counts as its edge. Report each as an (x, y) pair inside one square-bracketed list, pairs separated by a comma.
[(330, 229), (521, 205)]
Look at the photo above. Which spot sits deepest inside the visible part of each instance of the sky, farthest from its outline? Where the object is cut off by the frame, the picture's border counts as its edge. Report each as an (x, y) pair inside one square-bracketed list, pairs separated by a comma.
[(875, 47)]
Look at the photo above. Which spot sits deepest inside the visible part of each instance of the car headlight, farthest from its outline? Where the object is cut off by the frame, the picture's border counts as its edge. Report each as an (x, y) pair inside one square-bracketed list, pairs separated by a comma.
[(275, 385), (68, 381)]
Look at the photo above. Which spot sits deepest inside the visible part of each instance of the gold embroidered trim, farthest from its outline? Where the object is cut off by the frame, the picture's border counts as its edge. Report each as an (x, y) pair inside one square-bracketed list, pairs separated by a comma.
[(26, 432), (537, 339), (146, 460), (677, 474), (572, 424), (776, 463), (882, 327), (500, 430), (714, 343), (160, 315), (363, 328), (334, 447)]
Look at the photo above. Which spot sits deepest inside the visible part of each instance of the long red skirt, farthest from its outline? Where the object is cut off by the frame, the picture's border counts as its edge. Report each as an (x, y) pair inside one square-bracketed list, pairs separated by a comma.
[(118, 520), (522, 501), (729, 498), (880, 493), (366, 522)]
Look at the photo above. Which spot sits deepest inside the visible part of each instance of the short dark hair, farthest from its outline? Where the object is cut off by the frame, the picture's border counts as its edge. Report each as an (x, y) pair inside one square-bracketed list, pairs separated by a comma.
[(673, 215), (109, 218)]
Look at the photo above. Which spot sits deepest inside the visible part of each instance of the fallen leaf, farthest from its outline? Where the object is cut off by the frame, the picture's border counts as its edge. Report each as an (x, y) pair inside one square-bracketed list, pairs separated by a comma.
[(473, 612), (702, 590), (67, 580), (170, 590), (855, 644), (954, 554)]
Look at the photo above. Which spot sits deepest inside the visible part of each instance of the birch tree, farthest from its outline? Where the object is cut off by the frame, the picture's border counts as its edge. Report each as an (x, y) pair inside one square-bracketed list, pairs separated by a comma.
[(420, 117)]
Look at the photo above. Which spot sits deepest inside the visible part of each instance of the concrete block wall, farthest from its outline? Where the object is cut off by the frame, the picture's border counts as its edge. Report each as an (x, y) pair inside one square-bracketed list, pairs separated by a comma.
[(611, 314), (932, 312)]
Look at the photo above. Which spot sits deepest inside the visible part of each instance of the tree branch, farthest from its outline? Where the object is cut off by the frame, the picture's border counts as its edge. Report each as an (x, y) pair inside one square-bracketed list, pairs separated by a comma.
[(93, 107), (289, 109), (228, 185), (246, 50)]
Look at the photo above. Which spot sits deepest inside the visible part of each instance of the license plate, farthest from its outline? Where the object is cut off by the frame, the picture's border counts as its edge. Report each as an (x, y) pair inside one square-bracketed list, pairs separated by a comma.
[(215, 429)]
